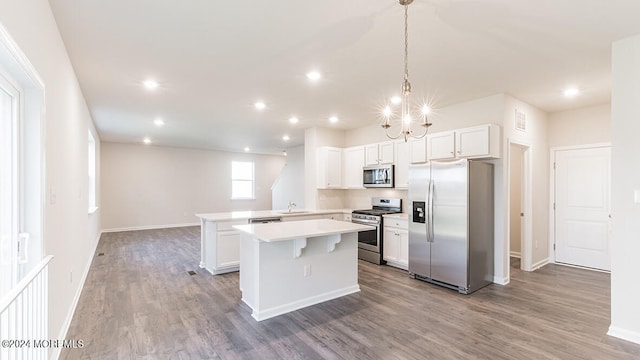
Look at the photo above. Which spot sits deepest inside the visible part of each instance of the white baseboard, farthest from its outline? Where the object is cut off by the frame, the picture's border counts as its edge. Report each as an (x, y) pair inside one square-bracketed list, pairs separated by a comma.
[(539, 264), (55, 354), (624, 334), (149, 227), (500, 281), (515, 254), (299, 304)]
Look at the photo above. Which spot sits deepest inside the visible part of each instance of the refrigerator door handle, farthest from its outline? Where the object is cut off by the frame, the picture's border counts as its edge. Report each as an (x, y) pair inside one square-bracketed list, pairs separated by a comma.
[(430, 213)]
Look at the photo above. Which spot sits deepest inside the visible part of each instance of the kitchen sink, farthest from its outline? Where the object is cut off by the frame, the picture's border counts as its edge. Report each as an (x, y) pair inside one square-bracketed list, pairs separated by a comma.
[(293, 211)]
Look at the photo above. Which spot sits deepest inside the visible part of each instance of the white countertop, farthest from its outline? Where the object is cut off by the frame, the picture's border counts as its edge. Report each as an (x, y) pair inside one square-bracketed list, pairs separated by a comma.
[(244, 215), (271, 232), (401, 216)]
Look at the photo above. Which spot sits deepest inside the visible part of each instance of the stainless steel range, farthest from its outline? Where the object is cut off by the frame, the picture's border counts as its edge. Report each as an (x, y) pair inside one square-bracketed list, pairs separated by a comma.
[(370, 242)]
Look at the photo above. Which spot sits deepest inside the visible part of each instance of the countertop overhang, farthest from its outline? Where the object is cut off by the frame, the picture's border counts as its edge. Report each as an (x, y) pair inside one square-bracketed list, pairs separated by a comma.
[(281, 231), (245, 215)]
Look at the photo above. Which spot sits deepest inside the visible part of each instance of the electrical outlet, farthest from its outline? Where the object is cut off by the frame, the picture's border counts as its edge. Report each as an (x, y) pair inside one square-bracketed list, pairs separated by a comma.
[(52, 196), (307, 270)]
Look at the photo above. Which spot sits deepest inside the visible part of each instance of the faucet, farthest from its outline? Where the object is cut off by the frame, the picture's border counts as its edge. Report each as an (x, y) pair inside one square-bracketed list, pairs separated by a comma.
[(291, 205)]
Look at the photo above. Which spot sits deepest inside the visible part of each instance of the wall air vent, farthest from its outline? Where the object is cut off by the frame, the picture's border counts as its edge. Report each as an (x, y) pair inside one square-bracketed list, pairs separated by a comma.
[(520, 121)]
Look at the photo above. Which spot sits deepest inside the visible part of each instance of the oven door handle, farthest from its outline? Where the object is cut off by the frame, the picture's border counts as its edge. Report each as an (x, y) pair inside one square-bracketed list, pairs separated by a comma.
[(366, 222)]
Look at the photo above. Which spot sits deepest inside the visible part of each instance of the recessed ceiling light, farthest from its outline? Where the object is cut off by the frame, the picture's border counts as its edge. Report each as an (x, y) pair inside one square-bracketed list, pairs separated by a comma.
[(293, 120), (158, 122), (147, 141), (571, 92), (247, 149), (260, 105), (396, 100), (285, 137), (333, 119), (150, 84), (313, 75)]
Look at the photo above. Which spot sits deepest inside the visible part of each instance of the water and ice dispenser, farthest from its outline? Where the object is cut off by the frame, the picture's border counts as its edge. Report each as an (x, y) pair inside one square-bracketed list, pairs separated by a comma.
[(418, 212)]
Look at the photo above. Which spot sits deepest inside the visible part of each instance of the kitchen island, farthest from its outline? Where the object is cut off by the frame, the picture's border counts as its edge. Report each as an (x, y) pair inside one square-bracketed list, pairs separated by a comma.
[(291, 265)]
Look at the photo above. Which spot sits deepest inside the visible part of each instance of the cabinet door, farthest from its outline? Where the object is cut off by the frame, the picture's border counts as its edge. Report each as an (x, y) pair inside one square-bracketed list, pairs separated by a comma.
[(472, 142), (417, 151), (228, 253), (391, 244), (385, 152), (334, 168), (401, 165), (329, 168), (352, 165), (441, 145), (371, 157), (403, 254)]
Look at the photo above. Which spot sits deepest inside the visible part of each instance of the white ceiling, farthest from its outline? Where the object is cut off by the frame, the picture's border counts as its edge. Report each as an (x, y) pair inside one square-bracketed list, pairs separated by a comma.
[(214, 59)]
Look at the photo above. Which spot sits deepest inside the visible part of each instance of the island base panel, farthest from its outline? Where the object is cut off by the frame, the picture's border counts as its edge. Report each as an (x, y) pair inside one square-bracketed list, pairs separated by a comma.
[(274, 281)]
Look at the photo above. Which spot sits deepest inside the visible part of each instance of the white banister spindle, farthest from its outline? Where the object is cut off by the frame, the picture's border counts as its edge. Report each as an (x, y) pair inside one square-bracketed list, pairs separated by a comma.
[(24, 316)]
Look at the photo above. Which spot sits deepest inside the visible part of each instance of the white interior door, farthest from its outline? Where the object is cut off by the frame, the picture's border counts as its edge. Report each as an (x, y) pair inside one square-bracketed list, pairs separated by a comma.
[(583, 205)]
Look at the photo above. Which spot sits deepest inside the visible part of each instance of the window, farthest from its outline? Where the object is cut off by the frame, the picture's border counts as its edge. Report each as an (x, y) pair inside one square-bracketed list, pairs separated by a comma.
[(8, 185), (242, 179), (21, 165), (92, 174)]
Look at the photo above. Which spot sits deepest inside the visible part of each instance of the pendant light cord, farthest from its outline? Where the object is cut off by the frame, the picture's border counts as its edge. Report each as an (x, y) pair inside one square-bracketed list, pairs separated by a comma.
[(406, 42)]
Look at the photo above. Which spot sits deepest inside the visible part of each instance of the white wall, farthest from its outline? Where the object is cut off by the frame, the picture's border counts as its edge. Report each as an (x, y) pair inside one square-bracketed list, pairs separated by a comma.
[(154, 186), (590, 125), (289, 185), (625, 242), (69, 233)]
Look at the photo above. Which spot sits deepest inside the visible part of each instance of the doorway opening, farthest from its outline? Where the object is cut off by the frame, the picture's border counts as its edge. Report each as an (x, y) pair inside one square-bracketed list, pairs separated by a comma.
[(519, 199)]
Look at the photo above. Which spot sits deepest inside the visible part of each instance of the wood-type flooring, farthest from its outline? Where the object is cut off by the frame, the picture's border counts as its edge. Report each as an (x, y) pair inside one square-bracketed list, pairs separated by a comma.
[(139, 302)]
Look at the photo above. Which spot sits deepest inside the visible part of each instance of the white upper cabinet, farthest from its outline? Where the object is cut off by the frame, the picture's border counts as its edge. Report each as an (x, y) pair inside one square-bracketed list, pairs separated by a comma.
[(474, 142), (402, 160), (441, 145), (381, 153), (417, 151), (329, 168), (353, 162)]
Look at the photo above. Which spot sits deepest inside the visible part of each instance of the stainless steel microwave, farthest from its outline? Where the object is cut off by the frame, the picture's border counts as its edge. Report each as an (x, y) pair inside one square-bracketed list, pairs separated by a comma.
[(379, 176)]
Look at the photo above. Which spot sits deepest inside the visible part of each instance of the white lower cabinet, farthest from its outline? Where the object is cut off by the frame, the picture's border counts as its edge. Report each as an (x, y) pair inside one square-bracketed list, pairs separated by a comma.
[(221, 246), (396, 243), (228, 250)]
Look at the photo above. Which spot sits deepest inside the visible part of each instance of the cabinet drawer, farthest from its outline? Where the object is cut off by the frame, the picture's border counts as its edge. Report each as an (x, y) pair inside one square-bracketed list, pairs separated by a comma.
[(228, 225), (396, 223)]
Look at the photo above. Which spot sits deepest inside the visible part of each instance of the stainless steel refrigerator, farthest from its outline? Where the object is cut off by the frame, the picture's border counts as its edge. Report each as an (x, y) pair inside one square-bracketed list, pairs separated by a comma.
[(451, 224)]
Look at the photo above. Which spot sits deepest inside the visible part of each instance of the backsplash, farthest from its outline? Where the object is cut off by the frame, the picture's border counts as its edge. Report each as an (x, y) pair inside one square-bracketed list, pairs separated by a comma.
[(357, 199)]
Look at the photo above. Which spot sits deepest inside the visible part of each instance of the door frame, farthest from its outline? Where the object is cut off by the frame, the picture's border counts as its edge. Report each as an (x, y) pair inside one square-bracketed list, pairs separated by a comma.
[(526, 245), (552, 190)]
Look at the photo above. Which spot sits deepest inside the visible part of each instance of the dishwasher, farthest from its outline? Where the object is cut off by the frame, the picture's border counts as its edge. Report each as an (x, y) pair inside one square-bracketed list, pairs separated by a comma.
[(264, 220)]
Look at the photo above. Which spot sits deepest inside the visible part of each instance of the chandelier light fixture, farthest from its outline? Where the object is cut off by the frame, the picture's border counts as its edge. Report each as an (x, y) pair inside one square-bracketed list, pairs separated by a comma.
[(406, 120)]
